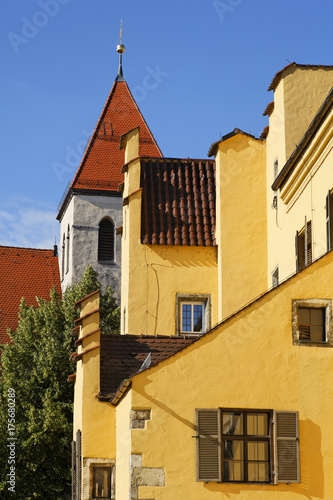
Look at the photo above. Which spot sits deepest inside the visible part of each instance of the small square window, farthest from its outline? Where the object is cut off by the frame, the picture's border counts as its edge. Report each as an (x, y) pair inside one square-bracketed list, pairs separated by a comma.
[(312, 319), (101, 482), (192, 313)]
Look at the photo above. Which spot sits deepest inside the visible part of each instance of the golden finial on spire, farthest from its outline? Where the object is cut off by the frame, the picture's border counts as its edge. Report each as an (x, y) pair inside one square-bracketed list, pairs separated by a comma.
[(121, 47)]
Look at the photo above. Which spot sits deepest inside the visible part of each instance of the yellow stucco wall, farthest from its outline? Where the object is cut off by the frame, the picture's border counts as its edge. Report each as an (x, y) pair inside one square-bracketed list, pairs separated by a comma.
[(304, 91), (303, 195), (95, 419), (123, 473), (241, 222), (247, 362), (152, 275), (297, 99)]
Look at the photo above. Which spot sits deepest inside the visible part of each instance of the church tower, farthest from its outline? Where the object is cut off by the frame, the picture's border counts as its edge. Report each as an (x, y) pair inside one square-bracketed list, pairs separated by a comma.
[(92, 208)]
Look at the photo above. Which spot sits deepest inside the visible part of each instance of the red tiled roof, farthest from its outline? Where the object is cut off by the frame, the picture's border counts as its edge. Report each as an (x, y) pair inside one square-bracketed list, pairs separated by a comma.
[(178, 201), (24, 272), (123, 355), (100, 168)]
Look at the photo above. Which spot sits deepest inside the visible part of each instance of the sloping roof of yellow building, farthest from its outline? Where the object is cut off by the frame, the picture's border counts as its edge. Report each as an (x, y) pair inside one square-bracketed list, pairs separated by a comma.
[(122, 356), (125, 381)]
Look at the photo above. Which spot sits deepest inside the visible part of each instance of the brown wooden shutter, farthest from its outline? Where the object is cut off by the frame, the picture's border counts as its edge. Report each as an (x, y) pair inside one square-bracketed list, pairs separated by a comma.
[(208, 445), (297, 251), (308, 243), (328, 222), (78, 457), (73, 470), (286, 443)]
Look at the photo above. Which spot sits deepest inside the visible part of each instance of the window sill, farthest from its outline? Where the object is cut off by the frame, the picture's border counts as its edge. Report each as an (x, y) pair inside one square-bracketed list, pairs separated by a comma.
[(319, 343)]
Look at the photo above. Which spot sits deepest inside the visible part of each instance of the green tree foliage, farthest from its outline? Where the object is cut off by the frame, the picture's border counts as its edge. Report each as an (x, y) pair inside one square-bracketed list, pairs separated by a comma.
[(35, 367)]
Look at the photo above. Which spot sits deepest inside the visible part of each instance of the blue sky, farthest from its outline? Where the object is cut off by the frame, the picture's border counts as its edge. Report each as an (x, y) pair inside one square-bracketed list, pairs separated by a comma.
[(212, 62)]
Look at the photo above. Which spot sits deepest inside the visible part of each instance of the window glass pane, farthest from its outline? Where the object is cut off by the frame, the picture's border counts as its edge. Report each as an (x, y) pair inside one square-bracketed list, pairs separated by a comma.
[(197, 317), (258, 472), (186, 317), (257, 424), (316, 317), (257, 450), (233, 454), (102, 482), (232, 423), (303, 316), (317, 334)]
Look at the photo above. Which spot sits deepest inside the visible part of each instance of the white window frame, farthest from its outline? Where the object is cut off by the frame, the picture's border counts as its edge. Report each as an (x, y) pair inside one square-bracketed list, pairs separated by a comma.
[(193, 299)]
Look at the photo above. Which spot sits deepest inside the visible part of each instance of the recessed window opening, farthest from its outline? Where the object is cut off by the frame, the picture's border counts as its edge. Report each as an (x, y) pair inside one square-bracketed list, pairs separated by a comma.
[(192, 317), (106, 240)]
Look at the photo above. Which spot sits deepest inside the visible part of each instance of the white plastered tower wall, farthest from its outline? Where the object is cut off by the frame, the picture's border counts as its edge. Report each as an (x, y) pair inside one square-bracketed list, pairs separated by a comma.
[(82, 216), (297, 97)]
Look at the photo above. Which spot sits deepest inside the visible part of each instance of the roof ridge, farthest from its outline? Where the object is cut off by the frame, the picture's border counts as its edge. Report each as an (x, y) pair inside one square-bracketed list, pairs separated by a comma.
[(277, 77), (28, 248)]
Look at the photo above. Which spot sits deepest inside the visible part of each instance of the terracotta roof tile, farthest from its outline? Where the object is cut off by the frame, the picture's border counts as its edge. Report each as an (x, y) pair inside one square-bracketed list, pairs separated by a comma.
[(122, 356), (178, 201), (100, 168), (24, 272), (269, 109), (264, 133)]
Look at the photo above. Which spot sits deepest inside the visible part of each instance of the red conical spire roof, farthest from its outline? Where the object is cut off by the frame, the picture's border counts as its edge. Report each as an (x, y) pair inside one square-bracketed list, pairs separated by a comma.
[(103, 160), (100, 168)]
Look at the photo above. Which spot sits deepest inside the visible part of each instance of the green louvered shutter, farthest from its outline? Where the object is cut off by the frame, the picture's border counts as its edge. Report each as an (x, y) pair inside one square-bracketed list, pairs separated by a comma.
[(287, 456), (208, 445)]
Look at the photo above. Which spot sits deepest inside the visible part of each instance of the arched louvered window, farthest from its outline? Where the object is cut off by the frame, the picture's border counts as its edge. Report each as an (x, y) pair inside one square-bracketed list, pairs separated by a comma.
[(106, 240)]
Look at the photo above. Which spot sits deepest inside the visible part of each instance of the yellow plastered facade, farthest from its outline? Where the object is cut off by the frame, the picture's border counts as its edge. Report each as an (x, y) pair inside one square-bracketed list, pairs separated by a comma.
[(297, 99), (91, 415), (153, 275), (247, 362), (241, 233)]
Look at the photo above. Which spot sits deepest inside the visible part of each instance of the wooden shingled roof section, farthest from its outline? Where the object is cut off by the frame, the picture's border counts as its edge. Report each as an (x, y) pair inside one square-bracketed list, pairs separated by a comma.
[(24, 272), (100, 168), (178, 202), (122, 356)]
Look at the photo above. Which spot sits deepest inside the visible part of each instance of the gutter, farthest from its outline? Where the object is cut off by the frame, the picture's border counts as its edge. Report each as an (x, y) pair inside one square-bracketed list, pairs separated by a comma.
[(122, 389)]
